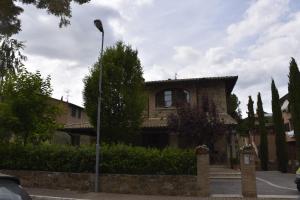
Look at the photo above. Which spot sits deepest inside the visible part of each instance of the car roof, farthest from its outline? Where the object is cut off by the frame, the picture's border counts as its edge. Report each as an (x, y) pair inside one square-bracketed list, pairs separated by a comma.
[(9, 177)]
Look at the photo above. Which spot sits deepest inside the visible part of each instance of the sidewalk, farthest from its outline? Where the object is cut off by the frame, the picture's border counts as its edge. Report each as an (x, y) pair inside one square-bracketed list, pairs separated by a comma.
[(46, 194)]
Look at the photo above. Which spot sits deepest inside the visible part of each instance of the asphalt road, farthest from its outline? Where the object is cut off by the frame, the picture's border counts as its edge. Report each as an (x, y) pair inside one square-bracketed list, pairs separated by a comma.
[(267, 183)]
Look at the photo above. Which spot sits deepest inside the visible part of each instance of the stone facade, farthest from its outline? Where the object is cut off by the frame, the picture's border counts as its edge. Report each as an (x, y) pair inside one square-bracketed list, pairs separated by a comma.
[(214, 89), (203, 183), (76, 128), (110, 183), (247, 161)]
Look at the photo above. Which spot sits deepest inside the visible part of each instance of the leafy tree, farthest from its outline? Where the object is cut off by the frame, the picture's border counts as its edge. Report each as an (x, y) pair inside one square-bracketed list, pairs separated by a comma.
[(251, 117), (10, 56), (263, 151), (294, 101), (233, 107), (201, 124), (123, 97), (281, 148), (25, 110), (11, 9)]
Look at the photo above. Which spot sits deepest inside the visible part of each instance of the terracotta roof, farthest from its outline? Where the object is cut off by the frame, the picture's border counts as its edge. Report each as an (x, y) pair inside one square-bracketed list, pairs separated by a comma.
[(230, 81)]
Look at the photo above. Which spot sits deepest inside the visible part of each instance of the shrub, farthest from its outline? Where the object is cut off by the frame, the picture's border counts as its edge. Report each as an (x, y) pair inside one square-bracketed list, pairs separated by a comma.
[(114, 159)]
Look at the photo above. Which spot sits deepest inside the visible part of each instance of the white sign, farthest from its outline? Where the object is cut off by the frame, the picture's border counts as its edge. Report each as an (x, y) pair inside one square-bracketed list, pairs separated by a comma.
[(247, 159)]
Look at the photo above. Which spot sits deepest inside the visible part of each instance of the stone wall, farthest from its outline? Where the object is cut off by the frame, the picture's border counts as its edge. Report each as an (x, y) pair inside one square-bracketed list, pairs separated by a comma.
[(111, 183)]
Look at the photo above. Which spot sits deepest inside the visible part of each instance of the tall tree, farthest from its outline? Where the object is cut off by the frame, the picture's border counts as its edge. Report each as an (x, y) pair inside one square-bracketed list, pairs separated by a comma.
[(123, 98), (251, 117), (11, 9), (201, 125), (11, 57), (294, 101), (263, 150), (26, 110), (281, 147), (233, 107)]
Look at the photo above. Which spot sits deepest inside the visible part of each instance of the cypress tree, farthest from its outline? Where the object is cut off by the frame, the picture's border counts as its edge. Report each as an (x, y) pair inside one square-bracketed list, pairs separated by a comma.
[(251, 118), (281, 147), (294, 101), (263, 151)]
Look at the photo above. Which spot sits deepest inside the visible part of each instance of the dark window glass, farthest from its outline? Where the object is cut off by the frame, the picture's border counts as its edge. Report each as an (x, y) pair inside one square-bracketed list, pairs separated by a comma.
[(173, 97), (79, 114), (168, 98), (73, 111), (291, 124), (287, 127)]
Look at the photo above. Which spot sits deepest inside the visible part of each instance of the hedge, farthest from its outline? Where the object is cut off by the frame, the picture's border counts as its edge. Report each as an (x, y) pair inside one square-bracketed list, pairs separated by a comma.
[(114, 159)]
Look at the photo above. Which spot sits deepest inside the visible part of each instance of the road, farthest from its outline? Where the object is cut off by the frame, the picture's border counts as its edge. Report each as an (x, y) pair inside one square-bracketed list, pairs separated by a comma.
[(268, 183)]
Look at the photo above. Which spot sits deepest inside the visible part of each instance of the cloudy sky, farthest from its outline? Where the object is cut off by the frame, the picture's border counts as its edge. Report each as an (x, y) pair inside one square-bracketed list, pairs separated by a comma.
[(253, 39)]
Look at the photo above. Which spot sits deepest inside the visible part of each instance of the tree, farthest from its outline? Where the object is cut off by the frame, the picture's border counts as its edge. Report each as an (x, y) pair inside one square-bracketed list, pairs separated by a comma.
[(10, 10), (11, 57), (201, 125), (281, 148), (26, 110), (294, 101), (233, 107), (123, 98), (263, 150), (251, 117)]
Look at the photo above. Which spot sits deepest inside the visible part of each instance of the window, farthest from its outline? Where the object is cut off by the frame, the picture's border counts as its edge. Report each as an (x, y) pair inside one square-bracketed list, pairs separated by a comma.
[(73, 111), (172, 97), (79, 114), (168, 98), (287, 127)]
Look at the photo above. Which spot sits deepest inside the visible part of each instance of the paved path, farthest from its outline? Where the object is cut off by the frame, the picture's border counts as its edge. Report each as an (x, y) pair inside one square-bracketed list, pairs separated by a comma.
[(268, 183)]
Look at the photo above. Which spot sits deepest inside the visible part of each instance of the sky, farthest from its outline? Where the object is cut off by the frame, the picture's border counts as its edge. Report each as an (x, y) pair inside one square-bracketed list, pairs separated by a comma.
[(253, 39)]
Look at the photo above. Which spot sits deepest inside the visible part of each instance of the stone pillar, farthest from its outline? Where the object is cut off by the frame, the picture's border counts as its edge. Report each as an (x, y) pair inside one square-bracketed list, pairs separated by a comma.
[(247, 159), (202, 153), (173, 140)]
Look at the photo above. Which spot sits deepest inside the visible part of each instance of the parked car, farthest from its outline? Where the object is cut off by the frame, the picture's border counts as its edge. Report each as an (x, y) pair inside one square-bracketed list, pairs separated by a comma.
[(297, 180), (11, 189)]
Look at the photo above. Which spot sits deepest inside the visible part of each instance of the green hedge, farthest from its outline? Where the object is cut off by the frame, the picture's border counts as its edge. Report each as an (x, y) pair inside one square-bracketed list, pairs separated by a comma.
[(114, 159)]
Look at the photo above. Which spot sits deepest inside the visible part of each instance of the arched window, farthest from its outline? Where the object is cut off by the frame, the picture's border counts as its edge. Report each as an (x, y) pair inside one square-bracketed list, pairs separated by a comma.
[(172, 97)]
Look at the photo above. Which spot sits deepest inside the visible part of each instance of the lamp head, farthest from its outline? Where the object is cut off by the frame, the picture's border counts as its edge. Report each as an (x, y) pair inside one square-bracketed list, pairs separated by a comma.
[(98, 24)]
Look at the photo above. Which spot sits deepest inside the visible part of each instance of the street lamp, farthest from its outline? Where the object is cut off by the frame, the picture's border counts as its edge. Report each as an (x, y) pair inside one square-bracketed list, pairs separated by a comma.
[(99, 26)]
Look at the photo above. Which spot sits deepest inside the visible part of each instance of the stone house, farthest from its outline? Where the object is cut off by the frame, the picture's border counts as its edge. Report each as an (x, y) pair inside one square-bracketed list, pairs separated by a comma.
[(289, 129), (289, 132), (165, 94), (74, 124)]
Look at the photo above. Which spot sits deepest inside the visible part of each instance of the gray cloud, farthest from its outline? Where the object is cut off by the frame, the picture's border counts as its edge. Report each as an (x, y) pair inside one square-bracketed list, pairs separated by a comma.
[(189, 38)]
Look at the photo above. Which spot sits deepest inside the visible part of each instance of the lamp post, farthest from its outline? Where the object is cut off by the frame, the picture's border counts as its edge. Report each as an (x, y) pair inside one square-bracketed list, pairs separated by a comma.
[(99, 26)]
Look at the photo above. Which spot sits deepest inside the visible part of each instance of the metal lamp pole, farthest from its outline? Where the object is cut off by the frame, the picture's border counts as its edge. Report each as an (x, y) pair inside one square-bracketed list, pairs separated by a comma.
[(99, 26)]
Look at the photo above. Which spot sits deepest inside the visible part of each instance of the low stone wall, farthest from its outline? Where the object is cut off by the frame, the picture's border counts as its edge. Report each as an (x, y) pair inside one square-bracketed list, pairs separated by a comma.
[(111, 183)]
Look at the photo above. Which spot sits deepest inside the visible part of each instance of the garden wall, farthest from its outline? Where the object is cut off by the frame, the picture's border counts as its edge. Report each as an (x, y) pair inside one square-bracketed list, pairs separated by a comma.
[(184, 185)]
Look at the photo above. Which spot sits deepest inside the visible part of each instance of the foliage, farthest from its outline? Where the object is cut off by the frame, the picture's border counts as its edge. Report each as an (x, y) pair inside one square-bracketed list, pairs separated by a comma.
[(115, 159), (123, 97), (25, 108), (11, 9), (281, 147), (251, 117), (294, 101), (263, 150), (10, 56), (202, 125), (233, 107)]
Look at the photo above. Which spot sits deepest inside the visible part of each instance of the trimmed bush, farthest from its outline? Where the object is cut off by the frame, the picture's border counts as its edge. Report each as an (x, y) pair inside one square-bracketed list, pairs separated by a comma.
[(114, 159)]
